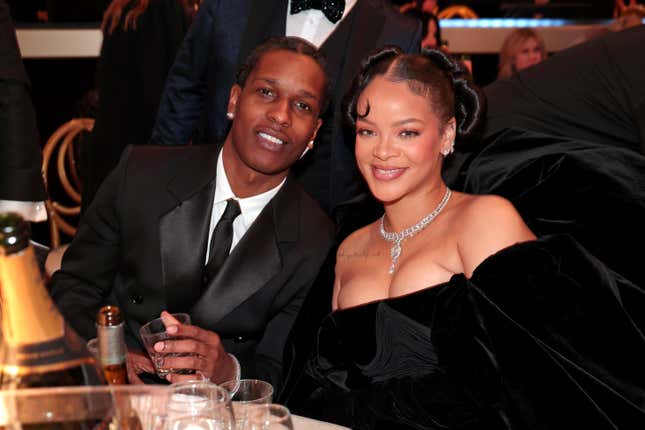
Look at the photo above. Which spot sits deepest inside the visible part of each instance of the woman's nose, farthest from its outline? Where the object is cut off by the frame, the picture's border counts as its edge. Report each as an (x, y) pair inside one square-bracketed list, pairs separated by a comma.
[(384, 149)]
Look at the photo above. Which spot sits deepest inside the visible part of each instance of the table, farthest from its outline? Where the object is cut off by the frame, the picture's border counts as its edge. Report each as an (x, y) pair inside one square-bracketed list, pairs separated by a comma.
[(302, 423)]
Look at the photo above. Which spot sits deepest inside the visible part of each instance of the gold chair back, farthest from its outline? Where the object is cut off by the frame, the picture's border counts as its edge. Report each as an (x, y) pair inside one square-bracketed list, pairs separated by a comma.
[(59, 151), (457, 11)]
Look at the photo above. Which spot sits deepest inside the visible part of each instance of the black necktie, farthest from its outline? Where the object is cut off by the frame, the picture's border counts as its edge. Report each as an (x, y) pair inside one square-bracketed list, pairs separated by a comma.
[(332, 9), (221, 240)]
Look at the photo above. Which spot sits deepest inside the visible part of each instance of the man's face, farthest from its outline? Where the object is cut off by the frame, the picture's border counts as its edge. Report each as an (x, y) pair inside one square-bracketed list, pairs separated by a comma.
[(276, 113)]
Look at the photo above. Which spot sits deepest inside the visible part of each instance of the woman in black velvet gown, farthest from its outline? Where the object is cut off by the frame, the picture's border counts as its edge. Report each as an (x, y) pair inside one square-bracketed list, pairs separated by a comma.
[(448, 312)]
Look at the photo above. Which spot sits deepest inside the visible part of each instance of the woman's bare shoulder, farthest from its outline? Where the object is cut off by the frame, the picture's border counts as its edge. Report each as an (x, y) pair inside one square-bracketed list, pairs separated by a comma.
[(488, 224), (488, 209)]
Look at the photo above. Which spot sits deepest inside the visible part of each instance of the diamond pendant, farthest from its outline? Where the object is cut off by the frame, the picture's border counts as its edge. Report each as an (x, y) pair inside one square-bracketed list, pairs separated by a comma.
[(395, 252)]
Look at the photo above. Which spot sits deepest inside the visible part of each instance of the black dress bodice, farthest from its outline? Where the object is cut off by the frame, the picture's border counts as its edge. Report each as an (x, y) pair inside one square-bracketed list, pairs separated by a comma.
[(539, 337)]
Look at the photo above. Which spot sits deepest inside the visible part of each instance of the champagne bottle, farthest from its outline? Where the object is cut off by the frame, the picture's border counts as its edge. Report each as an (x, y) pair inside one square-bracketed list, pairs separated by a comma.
[(112, 349), (37, 347)]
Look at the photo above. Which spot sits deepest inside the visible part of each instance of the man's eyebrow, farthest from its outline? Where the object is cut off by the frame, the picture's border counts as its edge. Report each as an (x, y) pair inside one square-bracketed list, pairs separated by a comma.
[(302, 93)]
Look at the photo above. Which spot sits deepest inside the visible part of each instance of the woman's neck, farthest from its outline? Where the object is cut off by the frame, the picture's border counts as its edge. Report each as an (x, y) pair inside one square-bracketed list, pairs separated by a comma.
[(410, 209)]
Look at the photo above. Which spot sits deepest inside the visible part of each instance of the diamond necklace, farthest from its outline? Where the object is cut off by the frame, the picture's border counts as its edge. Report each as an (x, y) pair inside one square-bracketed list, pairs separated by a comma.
[(397, 238)]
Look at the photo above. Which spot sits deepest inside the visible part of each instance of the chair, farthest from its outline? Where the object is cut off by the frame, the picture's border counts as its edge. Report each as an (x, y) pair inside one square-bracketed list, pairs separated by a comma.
[(457, 11), (61, 145)]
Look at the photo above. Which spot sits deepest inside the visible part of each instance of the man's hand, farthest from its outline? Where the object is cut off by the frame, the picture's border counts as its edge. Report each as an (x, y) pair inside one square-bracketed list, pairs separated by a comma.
[(136, 363), (207, 355)]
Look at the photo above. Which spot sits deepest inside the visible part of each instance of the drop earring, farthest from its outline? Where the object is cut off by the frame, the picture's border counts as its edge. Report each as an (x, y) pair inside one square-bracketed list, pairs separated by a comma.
[(449, 150), (230, 115)]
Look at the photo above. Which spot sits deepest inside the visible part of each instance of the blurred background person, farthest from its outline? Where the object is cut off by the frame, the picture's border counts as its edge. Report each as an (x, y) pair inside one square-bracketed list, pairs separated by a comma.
[(629, 16), (431, 33), (521, 49), (21, 186), (141, 38)]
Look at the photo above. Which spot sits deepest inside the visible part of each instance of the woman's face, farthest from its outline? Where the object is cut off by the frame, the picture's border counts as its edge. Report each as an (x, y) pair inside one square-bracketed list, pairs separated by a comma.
[(399, 142), (529, 55)]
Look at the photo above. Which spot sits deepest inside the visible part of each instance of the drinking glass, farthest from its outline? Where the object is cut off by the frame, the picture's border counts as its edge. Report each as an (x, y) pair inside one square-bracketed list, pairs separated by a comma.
[(269, 416), (93, 348), (244, 394), (199, 405), (155, 331), (117, 407)]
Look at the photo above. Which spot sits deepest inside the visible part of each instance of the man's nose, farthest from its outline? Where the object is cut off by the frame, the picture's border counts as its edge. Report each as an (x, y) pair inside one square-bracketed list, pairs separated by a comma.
[(280, 113)]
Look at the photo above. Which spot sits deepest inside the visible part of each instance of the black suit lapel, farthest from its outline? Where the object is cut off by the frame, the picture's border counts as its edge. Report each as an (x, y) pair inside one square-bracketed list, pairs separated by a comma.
[(254, 261), (268, 19), (183, 230)]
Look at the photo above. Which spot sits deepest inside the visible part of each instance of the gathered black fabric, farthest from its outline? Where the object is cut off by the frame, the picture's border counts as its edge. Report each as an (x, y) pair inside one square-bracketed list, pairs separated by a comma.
[(538, 338)]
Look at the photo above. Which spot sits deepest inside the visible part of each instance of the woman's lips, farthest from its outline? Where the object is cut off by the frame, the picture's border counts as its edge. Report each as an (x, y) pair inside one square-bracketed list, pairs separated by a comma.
[(382, 173)]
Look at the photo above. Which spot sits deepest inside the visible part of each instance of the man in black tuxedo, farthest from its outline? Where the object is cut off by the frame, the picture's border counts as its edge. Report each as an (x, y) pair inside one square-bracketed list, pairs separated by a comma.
[(148, 243), (21, 185), (224, 31)]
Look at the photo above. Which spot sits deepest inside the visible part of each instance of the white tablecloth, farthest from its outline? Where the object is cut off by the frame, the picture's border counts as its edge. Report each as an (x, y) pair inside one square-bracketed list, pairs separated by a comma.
[(302, 423)]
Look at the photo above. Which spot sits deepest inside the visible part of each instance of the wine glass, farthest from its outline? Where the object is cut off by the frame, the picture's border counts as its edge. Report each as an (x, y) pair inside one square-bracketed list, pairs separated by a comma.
[(268, 416), (199, 405)]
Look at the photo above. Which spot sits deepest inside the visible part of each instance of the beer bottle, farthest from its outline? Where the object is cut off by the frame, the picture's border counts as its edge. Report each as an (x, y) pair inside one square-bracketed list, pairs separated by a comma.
[(112, 348)]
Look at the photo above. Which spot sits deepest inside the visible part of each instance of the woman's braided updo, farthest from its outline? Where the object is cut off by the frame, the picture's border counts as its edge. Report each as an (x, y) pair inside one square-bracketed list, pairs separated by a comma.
[(433, 74)]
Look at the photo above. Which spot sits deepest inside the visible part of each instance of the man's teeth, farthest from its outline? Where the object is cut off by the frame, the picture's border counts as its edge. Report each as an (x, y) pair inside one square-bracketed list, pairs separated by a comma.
[(271, 138)]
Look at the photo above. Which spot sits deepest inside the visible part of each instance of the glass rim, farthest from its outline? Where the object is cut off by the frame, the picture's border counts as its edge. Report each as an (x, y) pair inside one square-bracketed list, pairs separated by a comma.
[(237, 383), (174, 314), (84, 389)]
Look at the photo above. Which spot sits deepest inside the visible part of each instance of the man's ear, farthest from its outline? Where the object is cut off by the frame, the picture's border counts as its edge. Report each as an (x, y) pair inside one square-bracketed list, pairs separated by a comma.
[(319, 122), (233, 97)]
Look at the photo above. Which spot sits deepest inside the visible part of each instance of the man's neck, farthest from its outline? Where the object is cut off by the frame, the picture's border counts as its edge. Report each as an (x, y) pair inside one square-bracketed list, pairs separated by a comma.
[(245, 182)]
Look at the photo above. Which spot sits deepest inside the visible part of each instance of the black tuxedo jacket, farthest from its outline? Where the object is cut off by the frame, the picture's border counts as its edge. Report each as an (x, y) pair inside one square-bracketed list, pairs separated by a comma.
[(220, 38), (20, 156), (142, 244)]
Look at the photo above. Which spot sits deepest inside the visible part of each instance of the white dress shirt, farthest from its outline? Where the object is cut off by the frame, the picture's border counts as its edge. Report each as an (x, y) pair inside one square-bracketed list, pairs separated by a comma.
[(250, 207), (312, 25)]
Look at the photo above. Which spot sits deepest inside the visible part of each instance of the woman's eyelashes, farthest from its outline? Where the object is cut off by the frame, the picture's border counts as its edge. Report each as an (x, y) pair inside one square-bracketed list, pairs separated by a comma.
[(404, 134), (364, 132), (408, 134)]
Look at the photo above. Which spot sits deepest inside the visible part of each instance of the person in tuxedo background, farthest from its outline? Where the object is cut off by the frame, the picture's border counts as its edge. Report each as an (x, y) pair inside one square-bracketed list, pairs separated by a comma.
[(140, 41), (158, 234), (21, 185), (223, 33)]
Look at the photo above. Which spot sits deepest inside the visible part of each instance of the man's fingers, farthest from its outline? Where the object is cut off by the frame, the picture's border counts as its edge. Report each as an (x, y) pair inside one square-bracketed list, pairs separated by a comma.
[(192, 331), (186, 346), (176, 377), (168, 319), (192, 362)]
